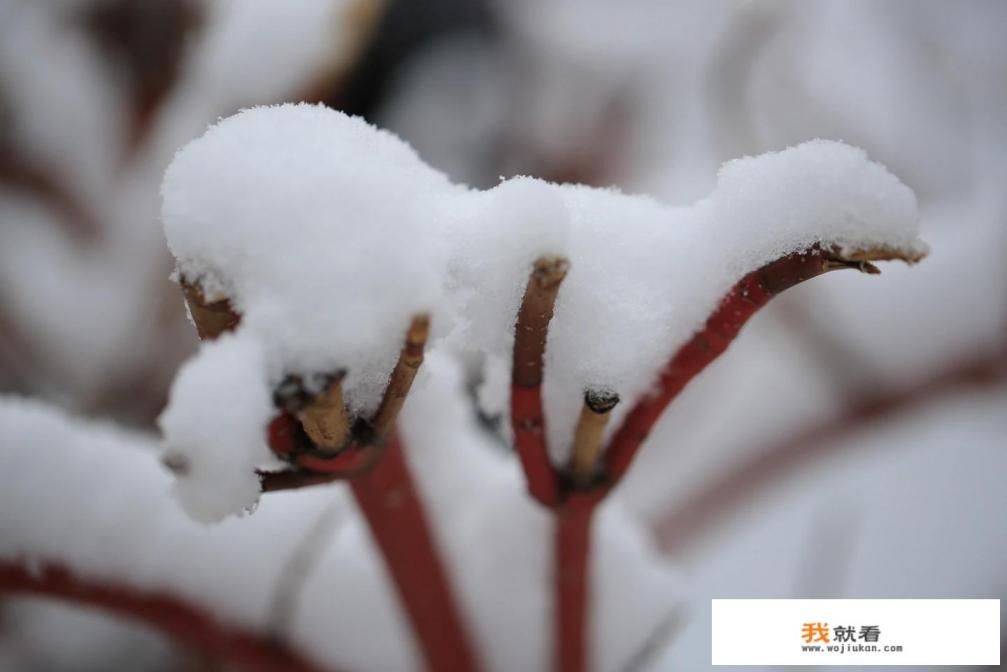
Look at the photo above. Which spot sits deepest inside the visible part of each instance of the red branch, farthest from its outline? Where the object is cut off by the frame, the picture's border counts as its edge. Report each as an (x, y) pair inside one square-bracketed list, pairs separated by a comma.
[(169, 615), (730, 493), (393, 509), (572, 571), (747, 296), (383, 487), (527, 417), (574, 508)]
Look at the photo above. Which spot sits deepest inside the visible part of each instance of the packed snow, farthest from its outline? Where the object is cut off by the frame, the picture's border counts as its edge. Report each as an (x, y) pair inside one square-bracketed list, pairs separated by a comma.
[(328, 234)]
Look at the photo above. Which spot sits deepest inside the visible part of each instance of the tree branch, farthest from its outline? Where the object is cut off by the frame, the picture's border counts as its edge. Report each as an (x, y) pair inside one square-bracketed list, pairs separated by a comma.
[(183, 622), (395, 514), (747, 296), (684, 523), (594, 415), (401, 380), (527, 416), (211, 317), (575, 511), (372, 461)]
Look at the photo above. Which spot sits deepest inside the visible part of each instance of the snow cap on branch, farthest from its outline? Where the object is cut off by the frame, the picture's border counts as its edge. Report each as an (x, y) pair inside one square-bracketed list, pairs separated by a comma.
[(321, 229), (328, 235), (215, 427)]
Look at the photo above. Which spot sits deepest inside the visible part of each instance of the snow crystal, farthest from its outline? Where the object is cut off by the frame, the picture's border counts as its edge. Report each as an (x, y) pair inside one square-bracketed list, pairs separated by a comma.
[(329, 234)]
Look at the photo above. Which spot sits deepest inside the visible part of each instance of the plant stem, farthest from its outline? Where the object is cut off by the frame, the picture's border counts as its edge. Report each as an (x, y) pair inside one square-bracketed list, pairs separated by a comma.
[(574, 507), (527, 417), (391, 504), (572, 555), (381, 483), (183, 622), (747, 296)]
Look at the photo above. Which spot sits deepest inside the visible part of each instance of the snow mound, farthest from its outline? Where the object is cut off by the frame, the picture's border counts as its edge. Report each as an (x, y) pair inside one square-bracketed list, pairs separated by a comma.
[(329, 234)]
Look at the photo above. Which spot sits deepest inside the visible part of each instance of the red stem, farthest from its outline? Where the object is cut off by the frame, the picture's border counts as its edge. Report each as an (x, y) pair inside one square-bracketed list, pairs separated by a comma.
[(574, 515), (747, 296), (528, 422), (571, 582), (173, 617), (394, 511)]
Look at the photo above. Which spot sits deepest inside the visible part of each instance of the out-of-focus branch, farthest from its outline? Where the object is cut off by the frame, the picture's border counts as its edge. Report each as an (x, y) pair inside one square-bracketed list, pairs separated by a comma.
[(527, 416), (19, 174), (290, 583), (187, 623), (685, 523)]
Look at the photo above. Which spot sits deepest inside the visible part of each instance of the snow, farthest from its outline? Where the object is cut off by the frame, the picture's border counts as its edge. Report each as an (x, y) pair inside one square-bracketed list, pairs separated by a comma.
[(109, 515), (329, 234), (497, 544), (212, 482), (290, 211), (908, 508), (100, 506)]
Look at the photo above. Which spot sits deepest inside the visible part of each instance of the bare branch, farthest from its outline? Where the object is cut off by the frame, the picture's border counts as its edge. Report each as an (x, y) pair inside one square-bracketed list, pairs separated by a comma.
[(212, 316), (594, 415), (527, 416), (401, 380), (746, 297), (185, 622), (325, 419)]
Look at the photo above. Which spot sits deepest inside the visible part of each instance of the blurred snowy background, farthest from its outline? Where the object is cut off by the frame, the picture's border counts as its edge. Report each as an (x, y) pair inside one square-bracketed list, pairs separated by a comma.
[(852, 442)]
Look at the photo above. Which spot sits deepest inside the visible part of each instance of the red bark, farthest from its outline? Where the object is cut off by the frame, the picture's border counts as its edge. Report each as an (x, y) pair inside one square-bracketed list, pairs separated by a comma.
[(572, 551), (747, 296), (383, 488), (528, 422), (527, 417), (391, 504), (572, 582), (183, 622)]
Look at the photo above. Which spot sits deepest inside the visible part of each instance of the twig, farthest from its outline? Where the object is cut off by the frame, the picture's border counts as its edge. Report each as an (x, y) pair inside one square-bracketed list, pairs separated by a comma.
[(211, 316), (325, 419), (401, 380), (526, 389), (594, 415), (380, 479), (746, 297), (180, 620), (573, 529)]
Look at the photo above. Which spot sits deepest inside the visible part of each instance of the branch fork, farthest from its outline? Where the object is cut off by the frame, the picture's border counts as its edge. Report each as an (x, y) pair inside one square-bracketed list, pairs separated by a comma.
[(315, 434), (574, 492)]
